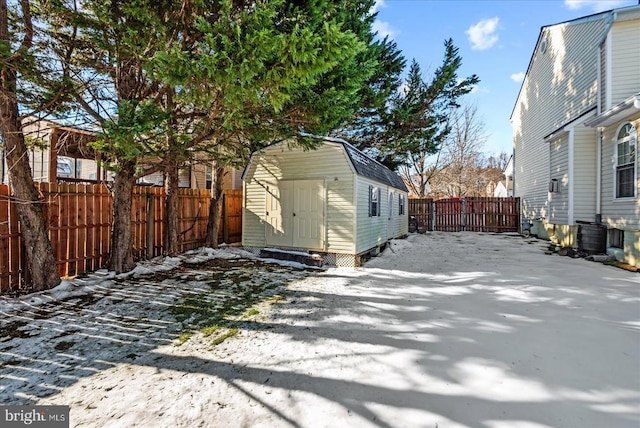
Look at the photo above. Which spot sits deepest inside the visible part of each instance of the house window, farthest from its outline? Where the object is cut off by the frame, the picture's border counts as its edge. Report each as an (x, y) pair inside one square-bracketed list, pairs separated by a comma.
[(616, 238), (400, 204), (626, 144), (208, 177), (374, 201)]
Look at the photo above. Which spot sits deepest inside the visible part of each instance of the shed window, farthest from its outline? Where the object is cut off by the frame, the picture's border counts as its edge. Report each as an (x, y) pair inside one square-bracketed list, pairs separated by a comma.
[(626, 144), (400, 204), (374, 201)]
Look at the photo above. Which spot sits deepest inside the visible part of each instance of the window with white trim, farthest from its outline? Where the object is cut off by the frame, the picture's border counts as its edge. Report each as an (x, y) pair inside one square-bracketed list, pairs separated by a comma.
[(400, 204), (374, 201), (625, 161)]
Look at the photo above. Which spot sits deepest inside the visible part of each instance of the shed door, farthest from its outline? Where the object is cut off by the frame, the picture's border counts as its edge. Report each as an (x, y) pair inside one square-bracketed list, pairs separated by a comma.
[(278, 219), (296, 214)]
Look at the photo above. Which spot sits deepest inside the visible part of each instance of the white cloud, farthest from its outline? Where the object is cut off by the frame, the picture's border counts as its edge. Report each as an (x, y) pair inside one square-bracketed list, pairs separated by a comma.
[(384, 29), (596, 5), (378, 5), (483, 34), (477, 89), (517, 77)]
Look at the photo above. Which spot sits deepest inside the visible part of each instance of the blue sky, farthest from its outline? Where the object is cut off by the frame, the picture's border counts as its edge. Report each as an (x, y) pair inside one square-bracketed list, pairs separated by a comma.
[(495, 38)]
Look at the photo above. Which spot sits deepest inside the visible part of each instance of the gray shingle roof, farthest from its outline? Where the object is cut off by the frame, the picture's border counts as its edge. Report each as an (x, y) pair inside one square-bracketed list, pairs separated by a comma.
[(368, 167)]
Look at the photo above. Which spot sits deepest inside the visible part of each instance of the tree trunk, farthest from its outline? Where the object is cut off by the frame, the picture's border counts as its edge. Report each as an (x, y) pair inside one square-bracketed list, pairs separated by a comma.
[(40, 259), (121, 258), (215, 209), (171, 207)]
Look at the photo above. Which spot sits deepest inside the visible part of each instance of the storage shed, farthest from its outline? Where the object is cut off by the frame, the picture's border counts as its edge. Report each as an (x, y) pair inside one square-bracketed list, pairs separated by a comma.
[(334, 201)]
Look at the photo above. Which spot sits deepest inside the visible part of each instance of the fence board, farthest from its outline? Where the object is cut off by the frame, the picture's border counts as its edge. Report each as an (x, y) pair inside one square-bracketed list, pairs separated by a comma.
[(422, 211), (475, 214), (6, 275), (232, 225), (80, 219)]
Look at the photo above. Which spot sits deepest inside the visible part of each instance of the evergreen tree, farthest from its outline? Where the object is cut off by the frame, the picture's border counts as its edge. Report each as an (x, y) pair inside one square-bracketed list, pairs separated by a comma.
[(415, 119), (16, 58), (166, 78)]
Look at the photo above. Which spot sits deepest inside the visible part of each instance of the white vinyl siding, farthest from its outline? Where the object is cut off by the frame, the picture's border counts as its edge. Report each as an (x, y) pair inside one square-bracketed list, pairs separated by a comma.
[(370, 230), (618, 213), (560, 85), (584, 176), (625, 48), (280, 163), (399, 222), (559, 172), (253, 207)]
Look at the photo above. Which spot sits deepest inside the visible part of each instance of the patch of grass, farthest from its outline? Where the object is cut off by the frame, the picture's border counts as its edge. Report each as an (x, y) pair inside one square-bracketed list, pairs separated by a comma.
[(184, 337), (251, 312), (197, 309), (276, 298), (218, 340), (209, 330)]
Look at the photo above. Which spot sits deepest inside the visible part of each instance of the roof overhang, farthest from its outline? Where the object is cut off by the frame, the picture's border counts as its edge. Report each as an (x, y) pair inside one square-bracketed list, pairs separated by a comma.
[(564, 129), (619, 112)]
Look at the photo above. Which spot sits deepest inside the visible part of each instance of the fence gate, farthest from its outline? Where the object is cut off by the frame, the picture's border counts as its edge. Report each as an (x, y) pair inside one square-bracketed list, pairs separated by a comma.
[(476, 214)]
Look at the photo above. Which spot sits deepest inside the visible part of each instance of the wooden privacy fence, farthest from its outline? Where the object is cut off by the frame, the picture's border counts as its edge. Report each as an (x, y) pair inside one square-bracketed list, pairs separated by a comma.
[(474, 214), (80, 216)]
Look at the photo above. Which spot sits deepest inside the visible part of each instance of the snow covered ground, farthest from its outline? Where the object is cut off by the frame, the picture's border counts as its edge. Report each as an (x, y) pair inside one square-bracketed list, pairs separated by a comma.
[(440, 330)]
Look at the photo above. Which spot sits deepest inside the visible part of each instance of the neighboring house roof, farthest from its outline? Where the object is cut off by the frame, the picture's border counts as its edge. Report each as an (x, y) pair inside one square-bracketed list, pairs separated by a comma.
[(62, 124), (508, 168)]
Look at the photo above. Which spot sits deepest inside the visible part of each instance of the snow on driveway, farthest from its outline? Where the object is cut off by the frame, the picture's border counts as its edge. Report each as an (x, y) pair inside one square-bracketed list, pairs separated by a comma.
[(441, 330)]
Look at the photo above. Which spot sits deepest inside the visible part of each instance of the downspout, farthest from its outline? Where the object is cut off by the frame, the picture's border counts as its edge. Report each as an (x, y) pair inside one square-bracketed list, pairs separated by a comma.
[(599, 176), (570, 214)]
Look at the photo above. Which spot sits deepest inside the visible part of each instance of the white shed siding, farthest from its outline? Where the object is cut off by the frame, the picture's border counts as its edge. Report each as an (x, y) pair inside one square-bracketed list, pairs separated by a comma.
[(280, 163), (370, 231), (253, 206), (584, 176), (625, 48), (400, 223), (621, 213), (559, 171), (560, 85)]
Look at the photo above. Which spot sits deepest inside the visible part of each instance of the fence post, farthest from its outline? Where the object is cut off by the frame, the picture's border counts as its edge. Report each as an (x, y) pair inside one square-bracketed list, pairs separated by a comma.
[(432, 220), (150, 225), (463, 213), (225, 219)]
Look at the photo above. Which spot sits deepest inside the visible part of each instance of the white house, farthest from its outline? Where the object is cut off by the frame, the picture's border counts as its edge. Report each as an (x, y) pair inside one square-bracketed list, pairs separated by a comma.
[(333, 200), (575, 130), (505, 189)]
